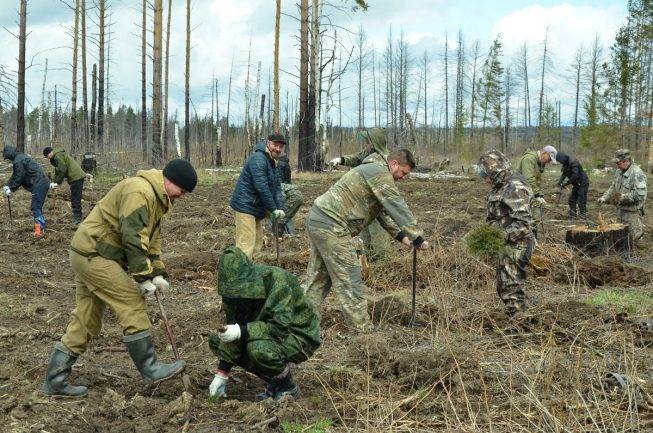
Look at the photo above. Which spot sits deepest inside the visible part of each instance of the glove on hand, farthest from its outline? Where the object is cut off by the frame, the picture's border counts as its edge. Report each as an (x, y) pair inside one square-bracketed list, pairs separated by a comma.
[(147, 288), (616, 199), (161, 283), (601, 200), (53, 185), (6, 190), (334, 162), (278, 214), (232, 333), (539, 201), (218, 387), (423, 246)]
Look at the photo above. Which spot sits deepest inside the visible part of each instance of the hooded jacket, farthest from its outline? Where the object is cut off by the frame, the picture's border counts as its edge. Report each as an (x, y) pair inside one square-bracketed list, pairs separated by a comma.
[(26, 171), (572, 171), (377, 144), (508, 208), (530, 167), (65, 167), (267, 302), (258, 189), (125, 225), (283, 169)]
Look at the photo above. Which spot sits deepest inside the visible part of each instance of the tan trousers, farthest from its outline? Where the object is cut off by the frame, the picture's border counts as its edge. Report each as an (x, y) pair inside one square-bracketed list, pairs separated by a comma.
[(249, 234), (101, 282)]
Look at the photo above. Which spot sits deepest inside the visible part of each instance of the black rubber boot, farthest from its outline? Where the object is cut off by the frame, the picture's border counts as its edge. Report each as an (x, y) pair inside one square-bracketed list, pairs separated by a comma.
[(56, 376), (141, 350), (76, 219), (285, 386), (267, 393)]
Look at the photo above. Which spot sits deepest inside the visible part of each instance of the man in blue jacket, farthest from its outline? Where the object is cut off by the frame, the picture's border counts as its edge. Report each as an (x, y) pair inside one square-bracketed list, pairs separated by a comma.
[(258, 193), (28, 174)]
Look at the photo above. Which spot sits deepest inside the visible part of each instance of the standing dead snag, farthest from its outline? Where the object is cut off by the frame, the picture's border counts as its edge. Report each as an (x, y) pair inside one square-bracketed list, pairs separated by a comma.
[(73, 99), (157, 96), (22, 37), (143, 81)]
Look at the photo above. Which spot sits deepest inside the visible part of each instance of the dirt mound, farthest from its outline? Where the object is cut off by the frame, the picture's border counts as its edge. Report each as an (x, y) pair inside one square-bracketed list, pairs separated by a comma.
[(193, 266), (611, 271)]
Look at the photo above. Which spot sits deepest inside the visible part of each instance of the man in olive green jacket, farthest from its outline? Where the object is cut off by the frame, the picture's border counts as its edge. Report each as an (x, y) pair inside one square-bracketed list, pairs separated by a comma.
[(65, 167), (115, 256), (531, 166)]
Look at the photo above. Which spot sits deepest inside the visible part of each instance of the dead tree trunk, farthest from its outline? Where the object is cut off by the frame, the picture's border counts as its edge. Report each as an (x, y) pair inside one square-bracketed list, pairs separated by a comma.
[(306, 151), (144, 80), (93, 118), (100, 97), (157, 97), (73, 87), (187, 87), (165, 84), (82, 12), (277, 28), (20, 118)]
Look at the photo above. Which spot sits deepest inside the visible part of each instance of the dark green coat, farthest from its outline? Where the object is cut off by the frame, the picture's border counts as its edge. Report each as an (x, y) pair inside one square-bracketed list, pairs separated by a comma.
[(65, 167), (269, 303)]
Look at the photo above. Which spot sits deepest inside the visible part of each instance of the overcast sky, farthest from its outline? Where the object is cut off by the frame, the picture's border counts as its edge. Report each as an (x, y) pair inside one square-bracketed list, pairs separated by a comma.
[(224, 28)]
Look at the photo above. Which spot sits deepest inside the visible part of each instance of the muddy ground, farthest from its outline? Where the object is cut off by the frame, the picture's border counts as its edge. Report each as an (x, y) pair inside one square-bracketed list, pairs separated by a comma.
[(469, 369)]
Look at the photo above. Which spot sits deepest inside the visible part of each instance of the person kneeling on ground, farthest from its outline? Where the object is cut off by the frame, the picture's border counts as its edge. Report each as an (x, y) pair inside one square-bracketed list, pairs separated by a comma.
[(115, 256), (270, 325), (509, 210)]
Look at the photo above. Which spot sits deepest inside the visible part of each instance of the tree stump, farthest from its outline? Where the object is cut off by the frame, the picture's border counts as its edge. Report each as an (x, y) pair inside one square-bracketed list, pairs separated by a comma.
[(607, 238)]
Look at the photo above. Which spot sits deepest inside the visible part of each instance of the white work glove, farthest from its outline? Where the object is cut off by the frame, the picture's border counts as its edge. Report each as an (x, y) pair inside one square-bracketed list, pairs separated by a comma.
[(423, 246), (6, 190), (54, 185), (161, 283), (335, 161), (231, 334), (218, 387), (147, 288), (278, 214), (601, 200), (539, 201)]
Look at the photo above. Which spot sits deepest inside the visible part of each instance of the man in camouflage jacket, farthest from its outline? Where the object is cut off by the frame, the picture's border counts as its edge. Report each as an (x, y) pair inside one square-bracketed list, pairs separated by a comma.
[(628, 192), (508, 209), (363, 194), (65, 167), (115, 257), (270, 325)]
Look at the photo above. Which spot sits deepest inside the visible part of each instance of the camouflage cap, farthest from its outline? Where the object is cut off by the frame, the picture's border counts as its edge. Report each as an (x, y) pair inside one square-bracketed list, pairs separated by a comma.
[(492, 164), (621, 155)]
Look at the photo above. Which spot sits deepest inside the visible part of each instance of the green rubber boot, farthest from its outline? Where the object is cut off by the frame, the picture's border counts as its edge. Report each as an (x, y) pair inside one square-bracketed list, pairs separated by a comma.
[(141, 350), (56, 376)]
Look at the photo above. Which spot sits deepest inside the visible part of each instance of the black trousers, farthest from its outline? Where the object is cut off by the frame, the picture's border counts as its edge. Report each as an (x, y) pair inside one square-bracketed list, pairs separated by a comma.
[(578, 201), (76, 188)]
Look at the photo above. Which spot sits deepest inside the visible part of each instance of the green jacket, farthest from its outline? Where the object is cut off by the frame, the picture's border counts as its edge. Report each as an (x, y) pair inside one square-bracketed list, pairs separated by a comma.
[(377, 143), (631, 185), (65, 167), (529, 166), (269, 300), (125, 225), (363, 194)]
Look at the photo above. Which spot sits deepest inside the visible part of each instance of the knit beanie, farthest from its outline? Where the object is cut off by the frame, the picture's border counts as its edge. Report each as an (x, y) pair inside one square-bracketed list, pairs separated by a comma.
[(181, 173), (46, 151)]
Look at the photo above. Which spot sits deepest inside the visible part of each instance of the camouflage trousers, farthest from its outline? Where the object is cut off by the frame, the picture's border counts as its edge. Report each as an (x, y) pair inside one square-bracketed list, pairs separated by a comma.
[(265, 358), (334, 265), (511, 273), (634, 221), (293, 197)]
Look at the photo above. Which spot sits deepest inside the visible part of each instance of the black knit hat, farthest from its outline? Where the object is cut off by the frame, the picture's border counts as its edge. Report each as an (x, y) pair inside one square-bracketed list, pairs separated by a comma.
[(47, 150), (277, 137), (181, 173)]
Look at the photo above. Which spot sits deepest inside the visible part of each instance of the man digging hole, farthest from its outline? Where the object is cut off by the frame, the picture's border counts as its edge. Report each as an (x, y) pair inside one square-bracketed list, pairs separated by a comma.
[(115, 256), (363, 194), (65, 167), (270, 325)]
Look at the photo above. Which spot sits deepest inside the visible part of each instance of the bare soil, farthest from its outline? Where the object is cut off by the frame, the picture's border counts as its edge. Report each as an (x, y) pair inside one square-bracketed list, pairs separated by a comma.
[(469, 369)]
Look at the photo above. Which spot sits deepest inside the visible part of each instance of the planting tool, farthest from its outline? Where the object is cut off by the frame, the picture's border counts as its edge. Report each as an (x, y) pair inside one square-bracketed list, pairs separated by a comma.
[(11, 217), (275, 233), (412, 322), (171, 338)]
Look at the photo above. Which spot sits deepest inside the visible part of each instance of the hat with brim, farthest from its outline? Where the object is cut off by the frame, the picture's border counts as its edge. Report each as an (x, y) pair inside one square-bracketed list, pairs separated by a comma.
[(621, 155), (552, 153)]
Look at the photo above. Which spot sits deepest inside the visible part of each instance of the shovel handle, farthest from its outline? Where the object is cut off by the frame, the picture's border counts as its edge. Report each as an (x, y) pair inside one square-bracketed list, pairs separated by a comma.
[(166, 322), (412, 314)]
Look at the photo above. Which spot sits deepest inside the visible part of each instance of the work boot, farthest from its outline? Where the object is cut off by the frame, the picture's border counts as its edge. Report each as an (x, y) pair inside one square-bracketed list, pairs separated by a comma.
[(141, 350), (76, 219), (56, 376), (267, 393), (279, 386), (516, 308)]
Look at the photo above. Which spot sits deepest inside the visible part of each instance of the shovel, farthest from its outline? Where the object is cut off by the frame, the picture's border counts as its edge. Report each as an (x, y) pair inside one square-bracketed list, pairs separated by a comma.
[(171, 338), (275, 233), (413, 323)]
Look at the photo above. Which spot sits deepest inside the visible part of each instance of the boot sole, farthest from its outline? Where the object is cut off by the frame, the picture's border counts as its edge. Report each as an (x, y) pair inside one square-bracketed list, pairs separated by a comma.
[(62, 396), (163, 379)]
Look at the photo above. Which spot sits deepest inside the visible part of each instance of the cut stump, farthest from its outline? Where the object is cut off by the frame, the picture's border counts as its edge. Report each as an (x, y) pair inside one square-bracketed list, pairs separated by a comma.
[(607, 238)]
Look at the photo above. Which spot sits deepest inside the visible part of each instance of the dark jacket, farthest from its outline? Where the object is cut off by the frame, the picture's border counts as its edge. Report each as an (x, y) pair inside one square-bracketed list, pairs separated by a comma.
[(258, 188), (65, 167), (27, 172), (283, 169), (572, 171)]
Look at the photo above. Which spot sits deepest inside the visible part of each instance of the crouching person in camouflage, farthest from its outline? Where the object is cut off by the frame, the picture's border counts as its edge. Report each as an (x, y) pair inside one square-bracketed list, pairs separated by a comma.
[(363, 194), (115, 256), (508, 209), (628, 193), (270, 325)]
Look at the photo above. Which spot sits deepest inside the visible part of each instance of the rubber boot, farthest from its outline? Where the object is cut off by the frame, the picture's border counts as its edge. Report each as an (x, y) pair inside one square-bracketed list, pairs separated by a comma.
[(267, 393), (141, 350), (76, 219), (285, 386), (56, 376)]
